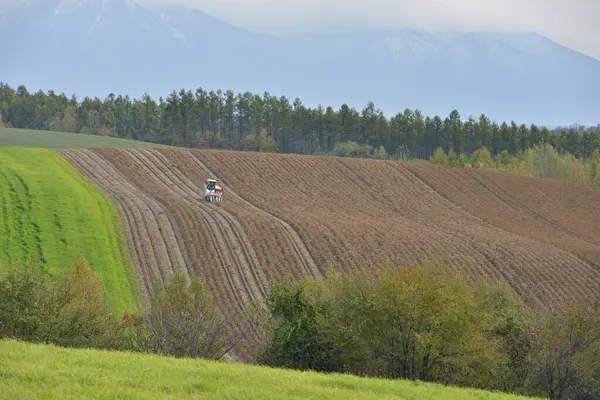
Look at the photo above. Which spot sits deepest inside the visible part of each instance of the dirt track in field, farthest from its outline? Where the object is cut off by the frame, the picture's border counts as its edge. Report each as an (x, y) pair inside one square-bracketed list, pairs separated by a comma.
[(290, 216)]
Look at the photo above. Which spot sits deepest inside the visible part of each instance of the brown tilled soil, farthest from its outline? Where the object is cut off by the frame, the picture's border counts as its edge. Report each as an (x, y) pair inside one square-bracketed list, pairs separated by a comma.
[(542, 237), (290, 215), (233, 247)]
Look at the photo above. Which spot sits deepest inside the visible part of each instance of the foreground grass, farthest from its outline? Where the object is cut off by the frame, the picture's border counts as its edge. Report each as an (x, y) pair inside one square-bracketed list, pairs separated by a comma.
[(49, 214), (39, 371), (64, 140)]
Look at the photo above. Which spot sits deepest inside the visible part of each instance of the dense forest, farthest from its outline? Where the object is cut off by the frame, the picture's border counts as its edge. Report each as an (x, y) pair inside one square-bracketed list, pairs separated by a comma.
[(247, 121)]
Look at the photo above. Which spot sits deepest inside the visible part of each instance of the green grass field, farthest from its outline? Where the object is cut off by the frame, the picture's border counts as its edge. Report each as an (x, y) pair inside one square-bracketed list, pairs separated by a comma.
[(49, 214), (49, 372), (63, 140)]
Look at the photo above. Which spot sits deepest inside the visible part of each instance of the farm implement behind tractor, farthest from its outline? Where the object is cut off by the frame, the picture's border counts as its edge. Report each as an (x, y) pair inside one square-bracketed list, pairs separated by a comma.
[(212, 191)]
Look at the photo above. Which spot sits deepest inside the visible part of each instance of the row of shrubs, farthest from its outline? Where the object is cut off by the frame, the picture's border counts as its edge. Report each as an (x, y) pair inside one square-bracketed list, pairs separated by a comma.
[(413, 323), (542, 161), (423, 324), (70, 309)]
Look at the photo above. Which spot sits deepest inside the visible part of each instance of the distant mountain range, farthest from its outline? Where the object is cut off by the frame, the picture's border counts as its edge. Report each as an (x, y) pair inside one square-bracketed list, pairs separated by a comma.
[(95, 47)]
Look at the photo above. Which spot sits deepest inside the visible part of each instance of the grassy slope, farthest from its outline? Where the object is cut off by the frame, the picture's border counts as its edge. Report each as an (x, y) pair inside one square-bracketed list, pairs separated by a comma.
[(49, 214), (63, 140), (38, 371)]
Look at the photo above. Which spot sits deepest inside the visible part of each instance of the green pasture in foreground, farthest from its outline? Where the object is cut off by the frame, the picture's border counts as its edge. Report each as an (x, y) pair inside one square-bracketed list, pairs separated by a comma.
[(50, 213), (49, 372), (64, 140)]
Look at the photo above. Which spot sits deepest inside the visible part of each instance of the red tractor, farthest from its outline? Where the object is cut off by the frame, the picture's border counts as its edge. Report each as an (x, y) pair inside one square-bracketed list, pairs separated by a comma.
[(212, 191)]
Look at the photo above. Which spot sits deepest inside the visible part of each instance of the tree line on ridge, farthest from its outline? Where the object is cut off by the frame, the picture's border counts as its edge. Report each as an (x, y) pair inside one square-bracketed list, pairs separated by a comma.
[(248, 121)]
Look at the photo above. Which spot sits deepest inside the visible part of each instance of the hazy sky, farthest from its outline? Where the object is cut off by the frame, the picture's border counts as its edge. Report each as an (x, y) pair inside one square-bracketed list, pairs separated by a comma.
[(573, 23)]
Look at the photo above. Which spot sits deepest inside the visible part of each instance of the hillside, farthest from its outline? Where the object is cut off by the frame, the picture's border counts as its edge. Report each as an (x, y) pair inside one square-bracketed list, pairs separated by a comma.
[(63, 140), (289, 215), (51, 214), (538, 235), (51, 372), (521, 76), (234, 249)]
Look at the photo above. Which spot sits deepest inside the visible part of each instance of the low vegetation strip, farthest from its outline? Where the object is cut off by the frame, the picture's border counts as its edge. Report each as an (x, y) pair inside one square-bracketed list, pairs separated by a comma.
[(50, 214), (49, 372)]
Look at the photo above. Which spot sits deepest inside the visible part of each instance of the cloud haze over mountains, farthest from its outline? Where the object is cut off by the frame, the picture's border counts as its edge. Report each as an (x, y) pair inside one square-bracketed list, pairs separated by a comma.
[(94, 47), (573, 23)]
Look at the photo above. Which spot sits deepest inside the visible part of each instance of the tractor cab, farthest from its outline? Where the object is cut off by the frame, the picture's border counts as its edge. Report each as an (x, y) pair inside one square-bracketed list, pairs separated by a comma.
[(211, 184)]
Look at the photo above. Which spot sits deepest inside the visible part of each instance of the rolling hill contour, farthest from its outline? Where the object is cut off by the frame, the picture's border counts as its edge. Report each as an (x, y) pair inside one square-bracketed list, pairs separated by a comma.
[(293, 216), (290, 215)]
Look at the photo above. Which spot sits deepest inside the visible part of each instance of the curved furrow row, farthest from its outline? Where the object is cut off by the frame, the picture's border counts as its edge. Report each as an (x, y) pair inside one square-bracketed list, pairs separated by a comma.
[(561, 233), (210, 254), (238, 242), (244, 280), (364, 212), (131, 215), (206, 249), (332, 247), (292, 240), (245, 260), (278, 247), (233, 251), (151, 236), (153, 223), (550, 264)]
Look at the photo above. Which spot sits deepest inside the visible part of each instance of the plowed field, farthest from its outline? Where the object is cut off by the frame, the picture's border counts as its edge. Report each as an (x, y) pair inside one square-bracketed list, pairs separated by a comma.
[(541, 236), (234, 247), (289, 215)]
